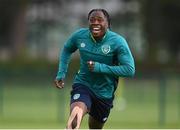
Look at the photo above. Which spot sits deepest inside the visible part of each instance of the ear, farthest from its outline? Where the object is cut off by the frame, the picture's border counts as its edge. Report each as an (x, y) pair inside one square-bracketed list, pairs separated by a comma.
[(107, 25)]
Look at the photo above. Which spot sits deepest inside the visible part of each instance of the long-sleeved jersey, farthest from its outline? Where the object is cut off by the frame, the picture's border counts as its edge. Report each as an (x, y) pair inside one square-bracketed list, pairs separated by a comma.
[(112, 57)]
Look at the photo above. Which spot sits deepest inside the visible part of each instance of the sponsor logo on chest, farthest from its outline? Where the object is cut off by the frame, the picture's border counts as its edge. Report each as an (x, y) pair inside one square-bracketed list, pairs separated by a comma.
[(82, 45)]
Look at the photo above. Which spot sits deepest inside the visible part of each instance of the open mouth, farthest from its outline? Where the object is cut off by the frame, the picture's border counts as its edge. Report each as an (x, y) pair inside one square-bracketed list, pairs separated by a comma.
[(96, 29)]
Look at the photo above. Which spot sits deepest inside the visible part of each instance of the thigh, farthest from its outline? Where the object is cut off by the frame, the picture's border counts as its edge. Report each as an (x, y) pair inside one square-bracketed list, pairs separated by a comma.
[(80, 105), (94, 124), (100, 109), (80, 95), (78, 110)]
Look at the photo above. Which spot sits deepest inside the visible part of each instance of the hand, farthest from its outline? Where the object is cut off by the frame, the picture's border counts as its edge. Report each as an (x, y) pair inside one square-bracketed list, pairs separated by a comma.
[(91, 65), (59, 83)]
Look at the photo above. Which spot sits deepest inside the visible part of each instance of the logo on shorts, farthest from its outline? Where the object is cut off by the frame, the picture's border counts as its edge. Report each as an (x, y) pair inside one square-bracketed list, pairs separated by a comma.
[(105, 49), (105, 118), (76, 96)]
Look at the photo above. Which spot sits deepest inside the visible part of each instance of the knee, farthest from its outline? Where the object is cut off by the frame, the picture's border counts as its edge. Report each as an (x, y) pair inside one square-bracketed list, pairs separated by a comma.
[(75, 118)]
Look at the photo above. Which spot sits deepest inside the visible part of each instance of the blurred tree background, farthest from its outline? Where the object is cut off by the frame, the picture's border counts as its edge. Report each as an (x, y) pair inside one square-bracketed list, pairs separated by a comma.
[(32, 33), (38, 28)]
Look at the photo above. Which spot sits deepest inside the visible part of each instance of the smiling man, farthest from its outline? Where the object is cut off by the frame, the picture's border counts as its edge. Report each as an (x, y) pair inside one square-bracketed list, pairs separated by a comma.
[(104, 57)]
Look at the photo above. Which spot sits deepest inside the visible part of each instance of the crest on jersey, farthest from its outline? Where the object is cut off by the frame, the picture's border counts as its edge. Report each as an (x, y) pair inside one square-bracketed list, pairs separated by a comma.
[(106, 49)]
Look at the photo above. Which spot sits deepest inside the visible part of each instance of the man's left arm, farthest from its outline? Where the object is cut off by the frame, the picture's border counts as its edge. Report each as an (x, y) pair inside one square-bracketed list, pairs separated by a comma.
[(126, 67)]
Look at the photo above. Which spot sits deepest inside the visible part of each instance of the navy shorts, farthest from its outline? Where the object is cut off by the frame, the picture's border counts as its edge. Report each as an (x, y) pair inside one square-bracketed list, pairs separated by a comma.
[(98, 108)]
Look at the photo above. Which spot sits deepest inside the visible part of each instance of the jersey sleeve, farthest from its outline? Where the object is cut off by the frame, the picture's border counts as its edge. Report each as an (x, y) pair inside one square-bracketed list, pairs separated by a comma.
[(126, 66), (64, 58)]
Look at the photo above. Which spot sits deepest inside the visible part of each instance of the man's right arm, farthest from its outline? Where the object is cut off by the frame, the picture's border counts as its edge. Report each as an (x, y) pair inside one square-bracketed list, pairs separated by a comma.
[(63, 63), (68, 49)]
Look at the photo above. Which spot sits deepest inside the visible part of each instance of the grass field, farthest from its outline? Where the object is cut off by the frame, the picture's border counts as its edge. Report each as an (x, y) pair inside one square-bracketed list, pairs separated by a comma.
[(40, 105)]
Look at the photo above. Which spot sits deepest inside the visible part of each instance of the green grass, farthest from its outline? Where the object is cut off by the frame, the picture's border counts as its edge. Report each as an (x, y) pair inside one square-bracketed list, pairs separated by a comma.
[(41, 105)]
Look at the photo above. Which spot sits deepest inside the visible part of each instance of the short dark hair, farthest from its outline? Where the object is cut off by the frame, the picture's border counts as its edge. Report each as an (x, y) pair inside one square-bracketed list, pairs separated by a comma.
[(105, 14)]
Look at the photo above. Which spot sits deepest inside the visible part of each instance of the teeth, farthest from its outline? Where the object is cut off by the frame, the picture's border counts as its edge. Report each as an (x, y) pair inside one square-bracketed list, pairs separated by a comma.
[(96, 28)]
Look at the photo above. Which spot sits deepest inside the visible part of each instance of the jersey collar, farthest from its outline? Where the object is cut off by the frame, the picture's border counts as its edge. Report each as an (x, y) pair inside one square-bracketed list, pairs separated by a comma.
[(102, 38)]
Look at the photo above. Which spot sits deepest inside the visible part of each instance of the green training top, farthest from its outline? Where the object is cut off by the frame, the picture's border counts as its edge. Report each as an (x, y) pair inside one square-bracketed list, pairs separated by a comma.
[(111, 55)]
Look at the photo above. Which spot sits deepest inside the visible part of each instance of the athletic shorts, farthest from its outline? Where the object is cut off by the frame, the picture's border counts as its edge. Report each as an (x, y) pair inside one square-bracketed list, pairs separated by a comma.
[(98, 108)]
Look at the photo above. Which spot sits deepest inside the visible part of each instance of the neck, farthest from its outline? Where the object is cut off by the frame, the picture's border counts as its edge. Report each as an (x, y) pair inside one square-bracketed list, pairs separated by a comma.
[(97, 39)]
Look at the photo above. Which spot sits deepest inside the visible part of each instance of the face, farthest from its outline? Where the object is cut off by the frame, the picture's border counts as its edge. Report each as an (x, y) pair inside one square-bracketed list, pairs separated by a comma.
[(98, 24)]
